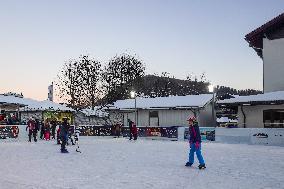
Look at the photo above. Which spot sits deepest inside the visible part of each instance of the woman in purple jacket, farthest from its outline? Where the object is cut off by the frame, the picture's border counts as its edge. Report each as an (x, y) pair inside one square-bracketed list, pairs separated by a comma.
[(195, 144)]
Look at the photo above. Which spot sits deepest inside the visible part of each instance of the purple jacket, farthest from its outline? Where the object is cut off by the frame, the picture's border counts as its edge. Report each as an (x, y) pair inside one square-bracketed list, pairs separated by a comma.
[(194, 133)]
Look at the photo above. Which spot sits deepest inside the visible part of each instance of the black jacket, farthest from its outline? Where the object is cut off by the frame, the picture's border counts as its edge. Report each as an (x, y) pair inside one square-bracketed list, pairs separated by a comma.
[(64, 129)]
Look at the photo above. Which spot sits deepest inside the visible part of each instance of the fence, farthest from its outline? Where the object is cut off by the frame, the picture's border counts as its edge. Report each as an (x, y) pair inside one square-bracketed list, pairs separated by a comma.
[(263, 136), (174, 132), (108, 130)]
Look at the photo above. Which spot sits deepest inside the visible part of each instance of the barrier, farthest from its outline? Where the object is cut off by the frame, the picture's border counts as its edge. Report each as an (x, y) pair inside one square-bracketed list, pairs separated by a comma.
[(108, 130), (261, 136)]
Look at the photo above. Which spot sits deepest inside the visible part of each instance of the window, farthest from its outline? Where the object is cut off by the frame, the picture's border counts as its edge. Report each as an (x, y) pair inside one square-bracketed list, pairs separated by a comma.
[(153, 114), (273, 118)]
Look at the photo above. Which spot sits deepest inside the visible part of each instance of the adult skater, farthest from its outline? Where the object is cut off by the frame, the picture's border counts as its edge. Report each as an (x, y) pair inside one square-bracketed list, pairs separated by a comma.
[(53, 124), (37, 126), (134, 131), (117, 129), (64, 134), (41, 129), (195, 143), (47, 130), (130, 123), (31, 127)]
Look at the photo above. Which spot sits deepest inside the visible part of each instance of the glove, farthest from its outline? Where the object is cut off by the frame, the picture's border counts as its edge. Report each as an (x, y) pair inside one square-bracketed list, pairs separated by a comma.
[(197, 145)]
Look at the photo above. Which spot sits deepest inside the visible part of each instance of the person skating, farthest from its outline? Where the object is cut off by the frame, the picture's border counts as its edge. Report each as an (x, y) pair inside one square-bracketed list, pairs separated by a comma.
[(195, 144), (42, 129), (53, 124), (37, 128), (64, 134), (134, 131), (31, 127), (130, 123), (46, 130), (117, 129)]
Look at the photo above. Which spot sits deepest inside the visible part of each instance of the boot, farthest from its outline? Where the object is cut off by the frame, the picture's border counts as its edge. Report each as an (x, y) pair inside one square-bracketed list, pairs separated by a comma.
[(188, 164), (201, 166)]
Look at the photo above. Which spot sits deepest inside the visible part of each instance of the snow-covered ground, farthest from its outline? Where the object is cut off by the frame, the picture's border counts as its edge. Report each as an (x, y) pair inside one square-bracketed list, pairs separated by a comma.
[(107, 163)]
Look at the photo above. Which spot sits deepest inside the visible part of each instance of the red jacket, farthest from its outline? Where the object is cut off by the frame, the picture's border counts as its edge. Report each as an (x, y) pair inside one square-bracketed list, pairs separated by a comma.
[(31, 125), (134, 130)]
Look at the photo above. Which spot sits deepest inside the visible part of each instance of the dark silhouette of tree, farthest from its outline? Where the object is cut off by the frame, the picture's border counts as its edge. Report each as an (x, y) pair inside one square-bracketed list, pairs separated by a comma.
[(78, 82), (224, 92), (121, 75)]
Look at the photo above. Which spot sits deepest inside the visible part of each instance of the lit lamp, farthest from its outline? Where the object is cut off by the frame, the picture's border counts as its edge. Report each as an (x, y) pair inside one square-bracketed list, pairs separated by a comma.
[(211, 89), (133, 95)]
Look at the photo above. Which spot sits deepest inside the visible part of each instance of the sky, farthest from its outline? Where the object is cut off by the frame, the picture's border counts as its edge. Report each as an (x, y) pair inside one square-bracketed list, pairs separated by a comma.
[(177, 36)]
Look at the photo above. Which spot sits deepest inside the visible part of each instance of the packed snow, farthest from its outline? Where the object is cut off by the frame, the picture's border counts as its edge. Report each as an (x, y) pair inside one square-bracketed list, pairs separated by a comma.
[(270, 97), (165, 102), (107, 163)]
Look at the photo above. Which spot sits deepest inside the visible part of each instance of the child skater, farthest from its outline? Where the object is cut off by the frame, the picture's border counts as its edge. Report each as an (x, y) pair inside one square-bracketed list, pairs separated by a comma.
[(195, 144)]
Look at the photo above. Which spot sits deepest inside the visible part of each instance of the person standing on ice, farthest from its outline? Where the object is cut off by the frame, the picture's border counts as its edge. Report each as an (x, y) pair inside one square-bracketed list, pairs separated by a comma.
[(134, 131), (64, 134), (130, 123), (53, 127), (31, 127), (195, 144)]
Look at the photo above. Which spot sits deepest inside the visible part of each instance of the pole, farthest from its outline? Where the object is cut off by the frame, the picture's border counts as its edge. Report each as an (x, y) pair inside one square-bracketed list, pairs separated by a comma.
[(213, 109), (135, 111)]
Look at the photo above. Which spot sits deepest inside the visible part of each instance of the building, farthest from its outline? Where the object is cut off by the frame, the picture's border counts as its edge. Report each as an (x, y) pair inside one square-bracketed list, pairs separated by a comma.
[(164, 111), (264, 110), (268, 42), (258, 111), (96, 116)]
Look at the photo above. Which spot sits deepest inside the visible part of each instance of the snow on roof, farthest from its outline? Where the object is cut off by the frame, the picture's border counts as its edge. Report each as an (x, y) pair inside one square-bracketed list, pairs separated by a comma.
[(4, 99), (32, 104), (268, 97), (96, 112), (165, 102), (46, 105)]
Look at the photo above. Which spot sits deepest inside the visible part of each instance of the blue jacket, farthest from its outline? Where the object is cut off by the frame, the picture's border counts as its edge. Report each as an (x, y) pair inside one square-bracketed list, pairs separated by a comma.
[(194, 133)]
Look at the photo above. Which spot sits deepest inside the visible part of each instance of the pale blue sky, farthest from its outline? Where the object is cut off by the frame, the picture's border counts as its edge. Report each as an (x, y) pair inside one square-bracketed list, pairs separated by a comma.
[(177, 36)]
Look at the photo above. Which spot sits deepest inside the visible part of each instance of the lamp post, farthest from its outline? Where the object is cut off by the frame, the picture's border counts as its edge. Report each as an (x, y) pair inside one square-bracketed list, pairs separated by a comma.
[(133, 95), (211, 89)]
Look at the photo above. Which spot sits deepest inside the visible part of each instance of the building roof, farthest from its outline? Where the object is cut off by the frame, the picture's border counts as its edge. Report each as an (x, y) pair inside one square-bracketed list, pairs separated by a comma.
[(178, 102), (255, 38), (98, 112), (266, 98), (45, 105), (31, 104), (11, 100)]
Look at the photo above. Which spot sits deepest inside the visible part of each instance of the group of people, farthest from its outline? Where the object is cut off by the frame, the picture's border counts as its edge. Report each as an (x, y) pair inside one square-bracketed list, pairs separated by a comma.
[(194, 141), (133, 131), (48, 129), (34, 125)]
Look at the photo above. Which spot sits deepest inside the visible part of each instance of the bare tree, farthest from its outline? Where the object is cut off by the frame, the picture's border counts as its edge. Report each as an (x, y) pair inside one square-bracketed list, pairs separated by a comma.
[(78, 82), (122, 74)]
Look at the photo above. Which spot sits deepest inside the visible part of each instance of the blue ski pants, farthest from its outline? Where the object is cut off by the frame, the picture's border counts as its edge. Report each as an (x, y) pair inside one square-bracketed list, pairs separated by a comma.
[(198, 154)]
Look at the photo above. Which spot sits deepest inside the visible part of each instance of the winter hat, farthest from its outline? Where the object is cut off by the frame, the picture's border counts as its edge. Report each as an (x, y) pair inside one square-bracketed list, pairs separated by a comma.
[(193, 119)]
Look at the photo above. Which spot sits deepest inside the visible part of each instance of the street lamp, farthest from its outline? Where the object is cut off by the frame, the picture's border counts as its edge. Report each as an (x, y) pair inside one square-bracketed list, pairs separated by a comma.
[(133, 95), (211, 89)]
